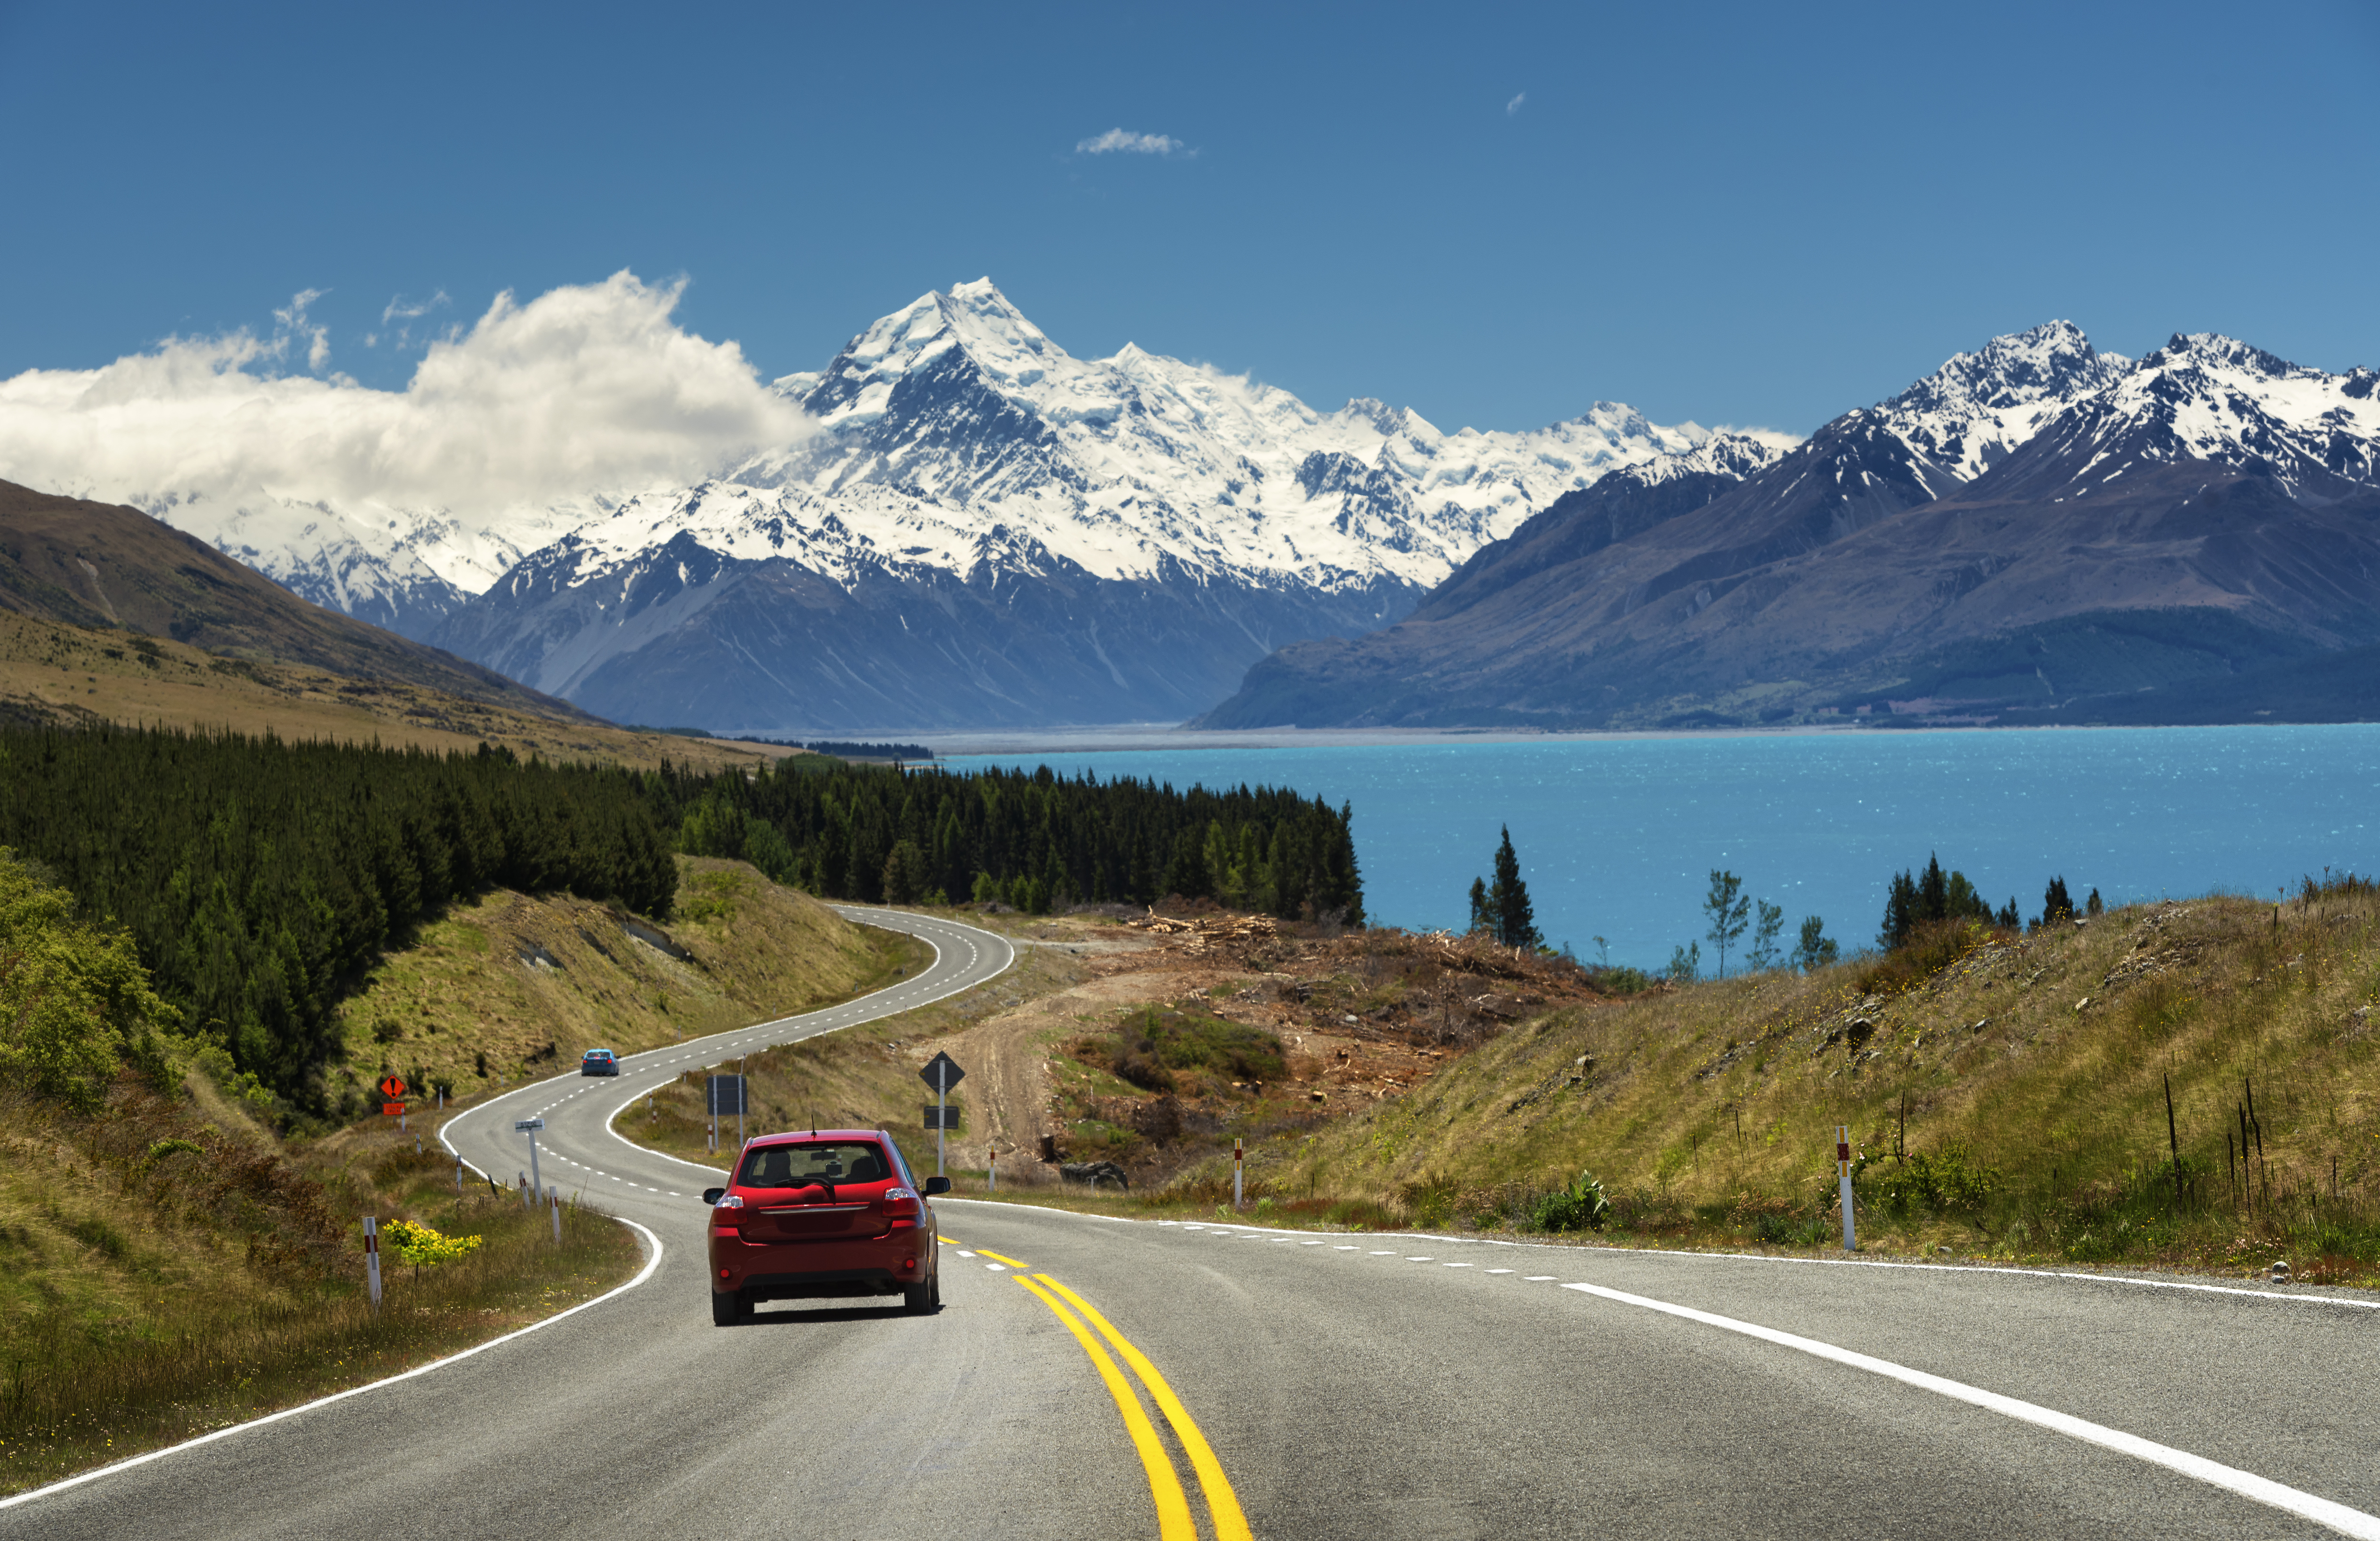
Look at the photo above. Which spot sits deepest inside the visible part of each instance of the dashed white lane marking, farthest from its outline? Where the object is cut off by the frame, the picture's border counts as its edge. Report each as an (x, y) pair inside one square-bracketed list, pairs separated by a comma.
[(1347, 1249), (997, 1267), (1311, 1243), (965, 1252), (1500, 1270), (2248, 1485), (1461, 1265), (1421, 1259), (1537, 1278)]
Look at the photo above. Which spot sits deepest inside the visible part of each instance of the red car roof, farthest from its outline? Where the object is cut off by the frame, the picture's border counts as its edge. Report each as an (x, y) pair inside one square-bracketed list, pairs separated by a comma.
[(791, 1135)]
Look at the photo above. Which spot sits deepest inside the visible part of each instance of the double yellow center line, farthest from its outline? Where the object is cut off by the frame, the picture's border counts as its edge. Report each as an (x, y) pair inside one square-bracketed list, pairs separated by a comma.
[(1173, 1520)]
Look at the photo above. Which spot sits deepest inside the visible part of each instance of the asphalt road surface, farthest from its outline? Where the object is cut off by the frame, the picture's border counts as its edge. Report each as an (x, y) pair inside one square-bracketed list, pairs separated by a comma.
[(1093, 1378)]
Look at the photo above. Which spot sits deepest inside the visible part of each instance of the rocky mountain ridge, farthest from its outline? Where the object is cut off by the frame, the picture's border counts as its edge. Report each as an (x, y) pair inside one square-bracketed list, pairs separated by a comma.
[(984, 529), (2034, 527)]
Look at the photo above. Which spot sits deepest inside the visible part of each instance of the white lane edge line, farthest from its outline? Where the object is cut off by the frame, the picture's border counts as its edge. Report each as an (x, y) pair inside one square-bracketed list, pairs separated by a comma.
[(2246, 1485), (651, 1264)]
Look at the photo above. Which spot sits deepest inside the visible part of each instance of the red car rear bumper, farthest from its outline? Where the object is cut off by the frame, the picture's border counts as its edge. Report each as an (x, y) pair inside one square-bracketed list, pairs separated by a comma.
[(788, 1270)]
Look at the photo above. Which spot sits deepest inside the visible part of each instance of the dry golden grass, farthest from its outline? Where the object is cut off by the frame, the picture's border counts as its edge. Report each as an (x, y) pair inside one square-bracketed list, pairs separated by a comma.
[(166, 1268), (509, 986), (71, 675), (1710, 1113)]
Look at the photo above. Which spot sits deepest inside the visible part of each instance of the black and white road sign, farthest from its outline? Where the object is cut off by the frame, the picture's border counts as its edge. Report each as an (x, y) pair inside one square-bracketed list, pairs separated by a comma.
[(941, 1073), (942, 1118)]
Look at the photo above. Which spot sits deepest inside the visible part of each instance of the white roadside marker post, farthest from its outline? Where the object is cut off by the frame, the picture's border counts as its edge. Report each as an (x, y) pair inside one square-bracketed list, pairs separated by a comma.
[(1843, 1182), (458, 1173), (372, 1259), (1236, 1156), (553, 1196), (529, 1126), (992, 1174)]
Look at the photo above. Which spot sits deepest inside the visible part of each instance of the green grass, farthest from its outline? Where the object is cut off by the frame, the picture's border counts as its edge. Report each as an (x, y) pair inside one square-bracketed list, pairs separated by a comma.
[(166, 1268), (506, 986)]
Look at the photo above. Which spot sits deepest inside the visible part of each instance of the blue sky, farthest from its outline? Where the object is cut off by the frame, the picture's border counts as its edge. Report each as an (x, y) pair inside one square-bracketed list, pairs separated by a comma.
[(1757, 214)]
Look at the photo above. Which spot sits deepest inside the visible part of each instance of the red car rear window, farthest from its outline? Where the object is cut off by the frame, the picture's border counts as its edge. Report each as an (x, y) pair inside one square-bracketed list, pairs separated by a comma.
[(836, 1163)]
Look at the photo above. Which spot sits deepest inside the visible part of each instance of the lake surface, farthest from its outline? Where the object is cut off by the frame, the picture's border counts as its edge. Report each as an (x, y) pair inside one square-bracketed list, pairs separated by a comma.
[(1616, 837)]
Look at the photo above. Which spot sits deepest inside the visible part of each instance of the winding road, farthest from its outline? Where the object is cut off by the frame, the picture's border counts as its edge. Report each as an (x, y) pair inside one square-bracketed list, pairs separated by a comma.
[(1089, 1377)]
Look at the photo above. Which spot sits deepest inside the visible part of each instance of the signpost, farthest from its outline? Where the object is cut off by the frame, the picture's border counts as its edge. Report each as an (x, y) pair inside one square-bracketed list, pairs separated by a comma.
[(529, 1126), (1843, 1181), (391, 1091), (726, 1096), (371, 1258), (1237, 1153), (941, 1073)]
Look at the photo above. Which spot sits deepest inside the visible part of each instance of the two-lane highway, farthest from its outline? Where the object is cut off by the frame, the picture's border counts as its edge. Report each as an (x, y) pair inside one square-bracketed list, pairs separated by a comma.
[(587, 1158), (1095, 1378)]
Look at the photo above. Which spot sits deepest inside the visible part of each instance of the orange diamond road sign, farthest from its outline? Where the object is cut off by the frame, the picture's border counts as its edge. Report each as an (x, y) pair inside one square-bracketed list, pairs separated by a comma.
[(391, 1110), (392, 1087)]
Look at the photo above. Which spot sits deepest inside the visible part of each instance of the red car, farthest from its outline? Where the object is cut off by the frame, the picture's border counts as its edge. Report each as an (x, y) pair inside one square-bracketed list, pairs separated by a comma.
[(829, 1213)]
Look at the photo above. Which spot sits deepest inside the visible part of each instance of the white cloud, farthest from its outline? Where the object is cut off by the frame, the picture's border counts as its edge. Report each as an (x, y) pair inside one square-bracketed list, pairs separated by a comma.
[(1515, 105), (584, 390), (1124, 140), (397, 310)]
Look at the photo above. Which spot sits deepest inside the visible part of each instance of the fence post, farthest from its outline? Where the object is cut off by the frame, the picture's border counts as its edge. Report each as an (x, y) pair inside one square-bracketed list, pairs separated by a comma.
[(1843, 1180), (372, 1259)]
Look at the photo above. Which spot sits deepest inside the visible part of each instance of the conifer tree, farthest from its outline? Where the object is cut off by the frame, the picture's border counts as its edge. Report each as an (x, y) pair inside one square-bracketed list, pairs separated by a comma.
[(1763, 956), (1508, 900), (2055, 904), (1483, 916), (1817, 949)]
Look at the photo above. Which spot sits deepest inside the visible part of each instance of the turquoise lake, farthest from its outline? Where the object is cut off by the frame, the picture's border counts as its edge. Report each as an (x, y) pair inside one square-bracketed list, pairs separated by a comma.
[(1616, 837)]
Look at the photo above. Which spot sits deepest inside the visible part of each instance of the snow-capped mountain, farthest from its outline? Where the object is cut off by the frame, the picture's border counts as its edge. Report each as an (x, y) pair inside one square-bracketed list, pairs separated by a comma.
[(960, 453), (958, 402), (2032, 525), (2215, 399), (1978, 408)]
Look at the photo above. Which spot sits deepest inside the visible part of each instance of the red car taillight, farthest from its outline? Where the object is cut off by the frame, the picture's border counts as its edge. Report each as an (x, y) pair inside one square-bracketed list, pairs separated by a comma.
[(901, 1204)]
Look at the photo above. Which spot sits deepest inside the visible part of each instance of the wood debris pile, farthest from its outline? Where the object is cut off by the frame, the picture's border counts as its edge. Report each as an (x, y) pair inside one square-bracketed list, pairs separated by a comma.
[(1201, 934)]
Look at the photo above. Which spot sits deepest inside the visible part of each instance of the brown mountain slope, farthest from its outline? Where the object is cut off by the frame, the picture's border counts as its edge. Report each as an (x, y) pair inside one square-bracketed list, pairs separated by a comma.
[(1971, 605), (57, 675), (99, 565)]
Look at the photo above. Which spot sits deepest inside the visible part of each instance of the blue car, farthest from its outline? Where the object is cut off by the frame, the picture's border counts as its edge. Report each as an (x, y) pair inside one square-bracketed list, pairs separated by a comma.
[(598, 1062)]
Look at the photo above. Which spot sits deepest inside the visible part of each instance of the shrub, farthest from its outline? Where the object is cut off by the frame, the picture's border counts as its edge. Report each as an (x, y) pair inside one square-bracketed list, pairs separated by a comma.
[(1945, 1181), (419, 1244), (1581, 1206)]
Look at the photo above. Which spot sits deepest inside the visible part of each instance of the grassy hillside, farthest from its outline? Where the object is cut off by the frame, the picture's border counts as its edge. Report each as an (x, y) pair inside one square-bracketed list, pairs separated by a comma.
[(56, 674), (166, 1264), (104, 565), (2005, 1095), (509, 986)]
